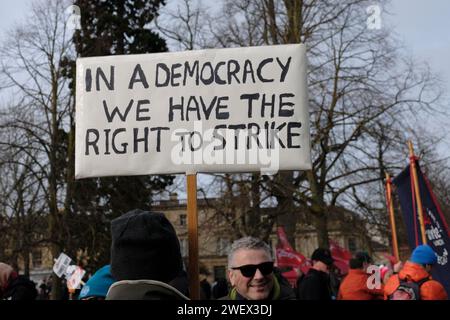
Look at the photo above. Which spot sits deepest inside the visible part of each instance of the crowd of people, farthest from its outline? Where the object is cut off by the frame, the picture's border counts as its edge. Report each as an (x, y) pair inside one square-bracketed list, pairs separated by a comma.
[(146, 264)]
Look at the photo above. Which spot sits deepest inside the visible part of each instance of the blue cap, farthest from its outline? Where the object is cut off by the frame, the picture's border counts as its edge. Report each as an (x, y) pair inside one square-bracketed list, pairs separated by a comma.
[(423, 254), (98, 285)]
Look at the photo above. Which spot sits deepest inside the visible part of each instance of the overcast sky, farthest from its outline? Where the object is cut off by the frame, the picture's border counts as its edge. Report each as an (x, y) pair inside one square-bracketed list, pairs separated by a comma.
[(423, 26)]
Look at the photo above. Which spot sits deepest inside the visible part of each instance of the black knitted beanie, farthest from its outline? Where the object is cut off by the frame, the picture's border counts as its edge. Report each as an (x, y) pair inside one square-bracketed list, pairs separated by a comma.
[(144, 246)]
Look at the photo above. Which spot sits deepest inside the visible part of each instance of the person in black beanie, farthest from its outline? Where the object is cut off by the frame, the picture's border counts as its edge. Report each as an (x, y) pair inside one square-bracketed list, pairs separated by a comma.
[(316, 285), (145, 247)]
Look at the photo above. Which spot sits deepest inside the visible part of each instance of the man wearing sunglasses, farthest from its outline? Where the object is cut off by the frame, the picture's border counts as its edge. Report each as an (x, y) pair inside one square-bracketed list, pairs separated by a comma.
[(251, 272)]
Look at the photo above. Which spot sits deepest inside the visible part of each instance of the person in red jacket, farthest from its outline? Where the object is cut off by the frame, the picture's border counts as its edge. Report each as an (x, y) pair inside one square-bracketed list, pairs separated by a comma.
[(416, 270), (355, 284)]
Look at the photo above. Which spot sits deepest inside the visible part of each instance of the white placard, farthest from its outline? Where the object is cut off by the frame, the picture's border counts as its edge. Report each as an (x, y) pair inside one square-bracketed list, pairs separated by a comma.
[(221, 110), (61, 264), (74, 277)]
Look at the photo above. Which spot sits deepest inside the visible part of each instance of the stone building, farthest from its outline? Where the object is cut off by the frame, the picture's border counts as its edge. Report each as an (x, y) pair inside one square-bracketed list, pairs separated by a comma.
[(215, 237)]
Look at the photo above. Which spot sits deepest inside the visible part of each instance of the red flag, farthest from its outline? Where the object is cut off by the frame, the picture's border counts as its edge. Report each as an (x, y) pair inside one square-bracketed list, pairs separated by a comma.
[(341, 257), (288, 257)]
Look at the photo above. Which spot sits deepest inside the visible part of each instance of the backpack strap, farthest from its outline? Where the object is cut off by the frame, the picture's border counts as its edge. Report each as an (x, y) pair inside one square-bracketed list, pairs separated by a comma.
[(422, 281)]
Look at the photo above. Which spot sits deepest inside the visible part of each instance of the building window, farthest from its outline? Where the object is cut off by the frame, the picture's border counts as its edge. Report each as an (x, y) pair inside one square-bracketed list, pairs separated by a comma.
[(219, 272), (37, 258), (183, 220), (352, 244), (222, 246), (264, 218), (184, 247)]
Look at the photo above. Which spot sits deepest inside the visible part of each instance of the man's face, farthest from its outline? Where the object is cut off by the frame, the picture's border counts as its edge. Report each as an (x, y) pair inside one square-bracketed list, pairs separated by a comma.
[(256, 287)]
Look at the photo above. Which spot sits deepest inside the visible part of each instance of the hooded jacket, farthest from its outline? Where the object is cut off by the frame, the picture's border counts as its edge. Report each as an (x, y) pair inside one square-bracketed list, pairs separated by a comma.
[(143, 290), (354, 287), (429, 290)]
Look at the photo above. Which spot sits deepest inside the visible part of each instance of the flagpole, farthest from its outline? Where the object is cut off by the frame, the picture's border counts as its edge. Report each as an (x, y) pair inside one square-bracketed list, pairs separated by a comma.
[(412, 161), (390, 208), (194, 284)]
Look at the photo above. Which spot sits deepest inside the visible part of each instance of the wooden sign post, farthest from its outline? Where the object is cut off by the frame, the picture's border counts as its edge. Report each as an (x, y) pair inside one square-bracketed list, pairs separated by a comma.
[(412, 160), (194, 284), (390, 208)]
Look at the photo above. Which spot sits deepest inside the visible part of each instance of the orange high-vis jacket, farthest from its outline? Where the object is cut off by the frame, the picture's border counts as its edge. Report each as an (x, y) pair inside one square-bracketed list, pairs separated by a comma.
[(354, 287), (429, 290)]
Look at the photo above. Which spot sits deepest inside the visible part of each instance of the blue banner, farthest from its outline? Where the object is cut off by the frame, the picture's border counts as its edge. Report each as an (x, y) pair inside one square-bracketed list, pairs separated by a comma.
[(436, 229)]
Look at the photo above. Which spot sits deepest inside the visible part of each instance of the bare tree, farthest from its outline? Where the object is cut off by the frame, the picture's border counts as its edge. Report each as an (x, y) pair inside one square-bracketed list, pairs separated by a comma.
[(242, 203), (32, 69), (184, 27), (23, 224), (363, 92)]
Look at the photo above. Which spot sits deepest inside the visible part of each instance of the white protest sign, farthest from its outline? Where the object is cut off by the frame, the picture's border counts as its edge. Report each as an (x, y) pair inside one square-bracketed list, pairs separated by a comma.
[(73, 273), (74, 277), (61, 265), (221, 110)]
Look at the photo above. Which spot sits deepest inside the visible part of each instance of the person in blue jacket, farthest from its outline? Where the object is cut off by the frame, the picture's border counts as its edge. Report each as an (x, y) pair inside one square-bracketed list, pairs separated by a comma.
[(98, 285)]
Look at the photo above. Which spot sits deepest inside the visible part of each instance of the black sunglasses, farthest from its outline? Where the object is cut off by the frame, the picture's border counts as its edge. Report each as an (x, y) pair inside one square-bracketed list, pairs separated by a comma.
[(249, 270)]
